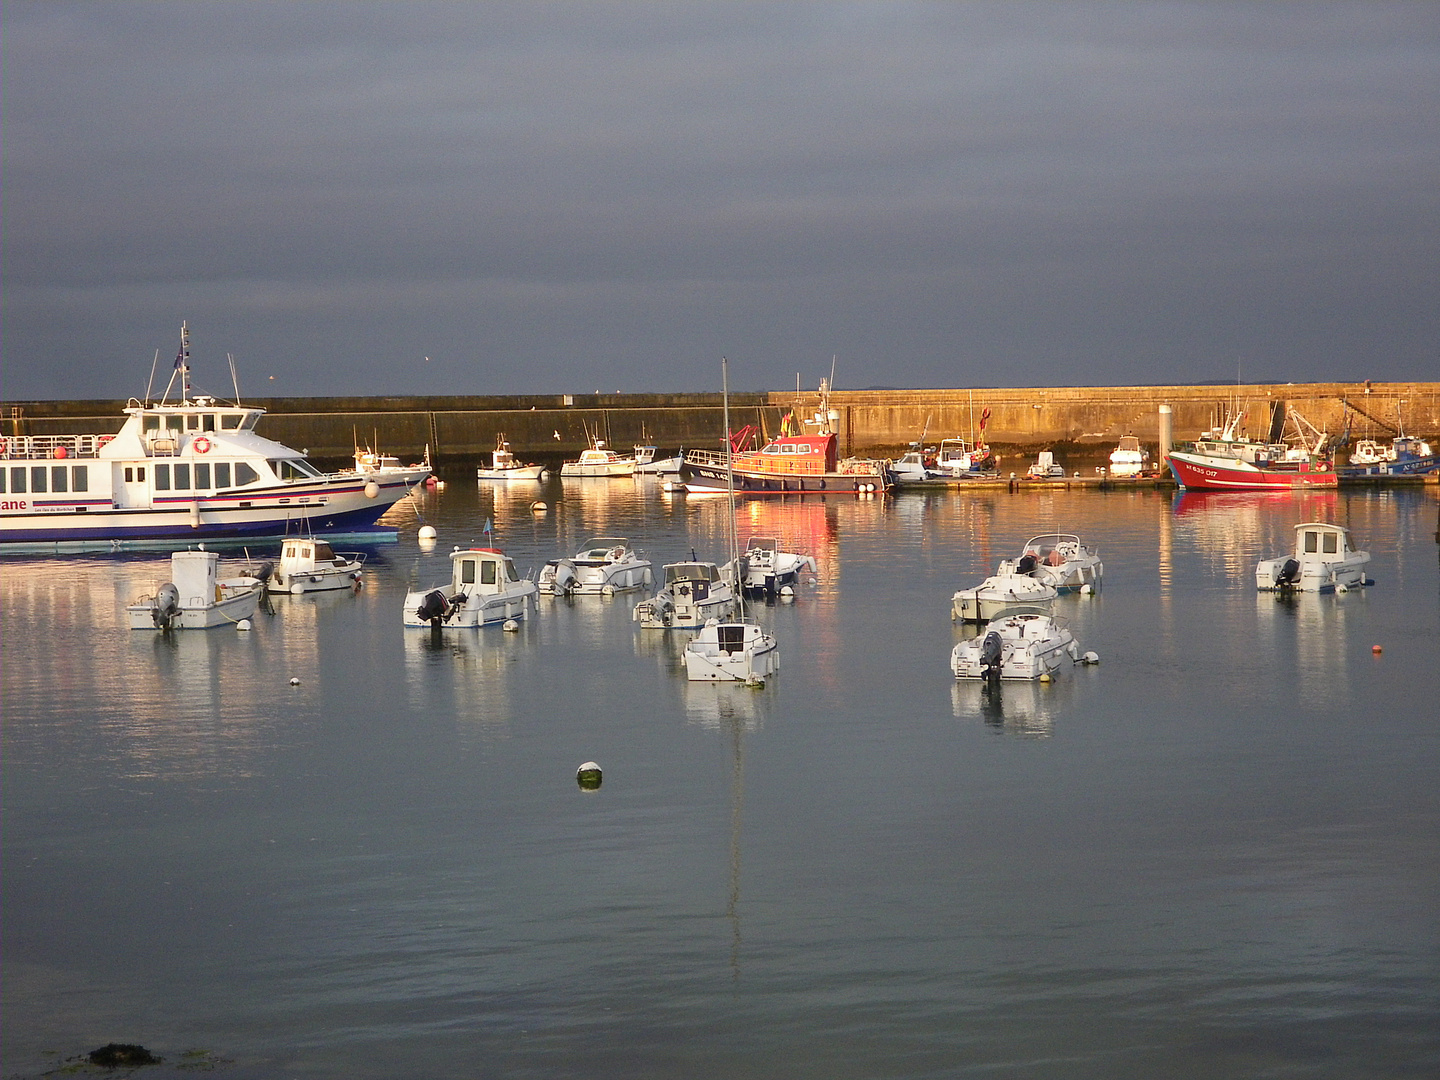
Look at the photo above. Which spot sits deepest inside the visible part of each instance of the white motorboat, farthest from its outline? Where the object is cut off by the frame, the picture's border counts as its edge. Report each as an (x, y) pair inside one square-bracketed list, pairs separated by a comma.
[(599, 460), (1060, 560), (387, 469), (910, 467), (604, 565), (308, 564), (1024, 646), (484, 589), (1002, 594), (765, 569), (1128, 458), (648, 464), (736, 650), (505, 466), (195, 597), (960, 458), (693, 593), (183, 470), (1324, 561), (731, 652), (1046, 467)]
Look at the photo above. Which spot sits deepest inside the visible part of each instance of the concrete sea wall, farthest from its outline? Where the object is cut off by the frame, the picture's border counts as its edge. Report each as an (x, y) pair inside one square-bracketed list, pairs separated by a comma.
[(871, 421)]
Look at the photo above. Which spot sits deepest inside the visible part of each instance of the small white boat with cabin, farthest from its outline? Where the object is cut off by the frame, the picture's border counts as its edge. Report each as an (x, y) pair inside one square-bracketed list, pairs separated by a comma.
[(484, 589), (1046, 467), (309, 564), (911, 467), (1059, 560), (1002, 594), (1324, 561), (735, 651), (1022, 646), (646, 463), (604, 565), (386, 469), (960, 458), (693, 593), (196, 597), (505, 466), (1128, 458), (765, 569), (599, 460)]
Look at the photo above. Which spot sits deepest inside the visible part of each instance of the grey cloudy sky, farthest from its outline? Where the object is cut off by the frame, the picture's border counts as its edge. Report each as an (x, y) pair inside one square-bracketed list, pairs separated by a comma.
[(576, 197)]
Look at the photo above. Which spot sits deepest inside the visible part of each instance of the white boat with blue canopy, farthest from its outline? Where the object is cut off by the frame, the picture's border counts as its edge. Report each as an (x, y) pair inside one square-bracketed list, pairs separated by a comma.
[(186, 470)]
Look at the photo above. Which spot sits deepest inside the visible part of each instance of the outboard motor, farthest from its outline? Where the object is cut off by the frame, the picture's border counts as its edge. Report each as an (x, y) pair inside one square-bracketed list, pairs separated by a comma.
[(1027, 564), (433, 608), (990, 650), (167, 606), (1288, 576), (262, 572)]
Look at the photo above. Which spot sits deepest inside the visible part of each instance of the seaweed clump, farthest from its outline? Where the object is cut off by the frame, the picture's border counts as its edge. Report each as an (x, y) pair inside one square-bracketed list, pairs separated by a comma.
[(115, 1055)]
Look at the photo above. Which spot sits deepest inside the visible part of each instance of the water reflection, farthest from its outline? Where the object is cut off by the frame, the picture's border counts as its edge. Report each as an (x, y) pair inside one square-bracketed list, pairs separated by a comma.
[(465, 673), (1027, 709), (1307, 634)]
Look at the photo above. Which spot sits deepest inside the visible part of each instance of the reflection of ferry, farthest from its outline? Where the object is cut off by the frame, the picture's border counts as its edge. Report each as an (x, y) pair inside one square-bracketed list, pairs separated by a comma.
[(186, 470), (795, 461)]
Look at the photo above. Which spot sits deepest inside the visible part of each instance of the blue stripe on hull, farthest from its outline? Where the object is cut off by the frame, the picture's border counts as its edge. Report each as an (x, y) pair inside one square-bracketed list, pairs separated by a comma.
[(71, 531)]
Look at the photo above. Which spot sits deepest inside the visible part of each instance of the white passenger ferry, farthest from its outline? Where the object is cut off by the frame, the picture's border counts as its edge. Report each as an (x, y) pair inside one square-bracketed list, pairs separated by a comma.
[(188, 470)]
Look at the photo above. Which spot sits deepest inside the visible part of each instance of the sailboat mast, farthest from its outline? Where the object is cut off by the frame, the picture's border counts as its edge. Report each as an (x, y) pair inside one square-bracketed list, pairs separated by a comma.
[(730, 538)]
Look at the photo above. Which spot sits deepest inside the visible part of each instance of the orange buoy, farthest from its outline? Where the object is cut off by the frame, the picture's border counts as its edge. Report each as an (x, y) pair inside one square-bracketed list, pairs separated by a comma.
[(1375, 649)]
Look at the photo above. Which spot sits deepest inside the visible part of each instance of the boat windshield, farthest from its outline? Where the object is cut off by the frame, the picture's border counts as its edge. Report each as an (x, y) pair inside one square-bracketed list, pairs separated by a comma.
[(295, 469)]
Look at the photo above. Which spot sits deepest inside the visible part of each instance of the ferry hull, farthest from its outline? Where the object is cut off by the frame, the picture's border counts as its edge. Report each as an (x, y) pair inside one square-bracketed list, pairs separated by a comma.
[(1196, 472)]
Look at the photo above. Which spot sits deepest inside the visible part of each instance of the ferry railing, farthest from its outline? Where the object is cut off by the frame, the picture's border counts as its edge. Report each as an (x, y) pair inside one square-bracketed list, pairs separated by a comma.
[(47, 447)]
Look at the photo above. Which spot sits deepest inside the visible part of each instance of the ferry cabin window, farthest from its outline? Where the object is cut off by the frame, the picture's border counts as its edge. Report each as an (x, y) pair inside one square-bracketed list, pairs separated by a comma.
[(293, 469), (37, 479), (229, 421), (17, 481), (244, 474), (59, 477), (134, 475), (207, 422), (222, 474), (182, 477), (151, 423), (192, 423), (162, 477), (487, 572), (202, 475), (80, 477), (174, 421)]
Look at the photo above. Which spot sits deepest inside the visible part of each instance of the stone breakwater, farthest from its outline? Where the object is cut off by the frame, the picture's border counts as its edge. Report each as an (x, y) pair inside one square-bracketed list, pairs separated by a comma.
[(1083, 420)]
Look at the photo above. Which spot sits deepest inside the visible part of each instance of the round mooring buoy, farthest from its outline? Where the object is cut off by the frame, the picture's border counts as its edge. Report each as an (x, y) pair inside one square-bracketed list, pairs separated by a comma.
[(294, 682), (539, 506), (510, 626), (427, 532), (1376, 649), (588, 776), (243, 624)]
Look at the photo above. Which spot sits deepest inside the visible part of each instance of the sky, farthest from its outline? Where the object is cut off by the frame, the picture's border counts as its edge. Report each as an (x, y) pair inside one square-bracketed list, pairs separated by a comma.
[(511, 198)]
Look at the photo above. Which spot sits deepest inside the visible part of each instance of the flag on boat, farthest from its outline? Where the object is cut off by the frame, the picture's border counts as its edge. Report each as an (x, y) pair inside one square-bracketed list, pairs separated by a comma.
[(489, 527)]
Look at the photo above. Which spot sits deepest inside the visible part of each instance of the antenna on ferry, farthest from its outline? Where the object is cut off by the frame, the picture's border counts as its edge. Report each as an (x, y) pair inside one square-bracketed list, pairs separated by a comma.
[(182, 362), (149, 386), (234, 379)]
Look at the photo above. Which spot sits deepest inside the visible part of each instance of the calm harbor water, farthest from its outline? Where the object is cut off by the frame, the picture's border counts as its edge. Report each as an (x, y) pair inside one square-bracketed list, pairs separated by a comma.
[(1215, 854)]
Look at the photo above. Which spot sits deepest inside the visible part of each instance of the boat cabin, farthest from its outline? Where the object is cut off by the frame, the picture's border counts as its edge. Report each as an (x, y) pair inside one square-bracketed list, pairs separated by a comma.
[(602, 549), (482, 570), (1318, 538), (802, 454), (700, 576)]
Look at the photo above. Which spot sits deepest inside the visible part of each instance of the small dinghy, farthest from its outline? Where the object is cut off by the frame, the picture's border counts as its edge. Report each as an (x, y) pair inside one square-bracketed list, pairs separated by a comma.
[(195, 597), (1026, 646), (605, 565), (484, 589), (764, 569), (1324, 561), (693, 593), (1007, 593), (1059, 560), (731, 652), (310, 565)]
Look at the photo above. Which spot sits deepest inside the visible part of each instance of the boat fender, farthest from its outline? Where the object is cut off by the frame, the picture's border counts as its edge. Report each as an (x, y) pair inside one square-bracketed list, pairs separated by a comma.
[(372, 489)]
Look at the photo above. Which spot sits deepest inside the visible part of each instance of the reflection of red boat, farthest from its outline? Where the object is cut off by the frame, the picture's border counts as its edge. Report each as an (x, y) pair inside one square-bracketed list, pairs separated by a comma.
[(1216, 472), (1198, 502)]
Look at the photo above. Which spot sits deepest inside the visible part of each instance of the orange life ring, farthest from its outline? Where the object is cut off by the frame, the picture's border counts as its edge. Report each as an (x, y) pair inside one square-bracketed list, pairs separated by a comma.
[(4, 445), (202, 445)]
